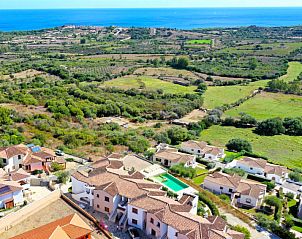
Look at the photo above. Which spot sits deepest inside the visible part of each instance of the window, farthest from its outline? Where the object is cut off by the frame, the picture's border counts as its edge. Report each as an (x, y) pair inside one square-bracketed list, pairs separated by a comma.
[(248, 200), (151, 220), (192, 150), (19, 157), (98, 206), (134, 221), (158, 225), (230, 190), (251, 168), (176, 234), (106, 209), (98, 195), (134, 210), (198, 151), (4, 160), (221, 188), (106, 199)]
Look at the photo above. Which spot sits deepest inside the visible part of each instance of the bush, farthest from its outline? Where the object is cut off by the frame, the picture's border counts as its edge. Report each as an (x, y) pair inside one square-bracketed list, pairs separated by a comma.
[(245, 231), (225, 198), (56, 167), (270, 127), (209, 203), (183, 171), (63, 177), (69, 159), (273, 201), (295, 176), (36, 172), (232, 171), (239, 145), (270, 185)]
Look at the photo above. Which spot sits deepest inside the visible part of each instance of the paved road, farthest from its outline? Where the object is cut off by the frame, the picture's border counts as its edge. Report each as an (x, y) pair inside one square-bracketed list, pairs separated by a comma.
[(254, 233)]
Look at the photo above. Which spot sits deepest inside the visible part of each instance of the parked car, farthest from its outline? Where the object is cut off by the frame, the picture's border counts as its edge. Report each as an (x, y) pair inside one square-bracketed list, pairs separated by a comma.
[(134, 233), (59, 152)]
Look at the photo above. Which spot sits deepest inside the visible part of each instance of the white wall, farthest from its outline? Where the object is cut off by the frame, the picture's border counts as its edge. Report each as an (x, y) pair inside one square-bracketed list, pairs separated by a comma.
[(196, 151), (13, 163), (243, 199), (211, 157), (171, 233), (215, 188), (277, 178), (17, 196), (248, 169), (140, 217), (77, 186)]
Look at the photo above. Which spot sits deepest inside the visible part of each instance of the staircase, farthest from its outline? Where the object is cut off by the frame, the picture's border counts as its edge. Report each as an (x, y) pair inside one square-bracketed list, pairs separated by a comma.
[(113, 216), (123, 221)]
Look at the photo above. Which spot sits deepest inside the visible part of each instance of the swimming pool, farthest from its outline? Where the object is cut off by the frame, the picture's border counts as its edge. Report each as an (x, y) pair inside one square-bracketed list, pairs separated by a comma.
[(170, 182)]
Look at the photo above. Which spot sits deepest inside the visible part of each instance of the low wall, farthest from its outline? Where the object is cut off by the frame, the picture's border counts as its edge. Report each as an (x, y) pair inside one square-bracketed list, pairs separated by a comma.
[(15, 218)]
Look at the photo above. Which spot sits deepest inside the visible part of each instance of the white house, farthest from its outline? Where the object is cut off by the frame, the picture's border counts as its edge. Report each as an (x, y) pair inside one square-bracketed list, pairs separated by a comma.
[(11, 194), (261, 168), (12, 157), (201, 148), (243, 193), (169, 158)]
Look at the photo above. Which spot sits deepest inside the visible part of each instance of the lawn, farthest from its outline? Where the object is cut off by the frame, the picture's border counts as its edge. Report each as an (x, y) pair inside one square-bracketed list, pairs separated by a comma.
[(270, 105), (280, 149), (216, 96), (200, 42), (148, 83), (199, 180), (293, 71)]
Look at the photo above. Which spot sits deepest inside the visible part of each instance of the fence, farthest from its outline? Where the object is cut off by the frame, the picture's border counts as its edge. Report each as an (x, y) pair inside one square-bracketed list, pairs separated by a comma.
[(15, 218)]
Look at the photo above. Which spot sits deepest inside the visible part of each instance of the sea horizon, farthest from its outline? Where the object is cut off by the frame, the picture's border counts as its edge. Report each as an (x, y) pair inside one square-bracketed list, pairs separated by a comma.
[(179, 18)]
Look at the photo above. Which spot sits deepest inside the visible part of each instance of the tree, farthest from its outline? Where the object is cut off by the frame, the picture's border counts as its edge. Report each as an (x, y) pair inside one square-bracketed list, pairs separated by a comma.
[(63, 177), (177, 134), (270, 127), (239, 145), (273, 201), (83, 41), (293, 126), (202, 87), (5, 116), (295, 176)]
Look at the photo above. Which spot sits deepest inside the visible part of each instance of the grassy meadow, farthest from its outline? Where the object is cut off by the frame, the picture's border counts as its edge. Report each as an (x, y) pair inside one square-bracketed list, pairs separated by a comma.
[(270, 105), (148, 83), (200, 42), (293, 71), (280, 149), (216, 96)]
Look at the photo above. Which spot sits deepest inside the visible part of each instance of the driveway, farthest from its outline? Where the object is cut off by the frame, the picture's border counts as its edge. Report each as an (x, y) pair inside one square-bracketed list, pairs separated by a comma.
[(255, 234)]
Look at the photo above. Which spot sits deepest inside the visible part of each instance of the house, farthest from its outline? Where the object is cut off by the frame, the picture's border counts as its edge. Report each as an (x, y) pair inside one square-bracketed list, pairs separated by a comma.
[(12, 157), (261, 168), (169, 157), (202, 149), (243, 193), (11, 194), (70, 227), (19, 176), (130, 200), (38, 159)]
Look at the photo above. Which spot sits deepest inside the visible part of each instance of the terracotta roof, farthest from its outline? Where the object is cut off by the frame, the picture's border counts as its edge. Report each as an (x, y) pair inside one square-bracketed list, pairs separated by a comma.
[(43, 155), (247, 189), (194, 144), (70, 227), (175, 157), (212, 150), (11, 151), (29, 159), (115, 156), (235, 235), (115, 164), (275, 169), (253, 162), (223, 179), (18, 175)]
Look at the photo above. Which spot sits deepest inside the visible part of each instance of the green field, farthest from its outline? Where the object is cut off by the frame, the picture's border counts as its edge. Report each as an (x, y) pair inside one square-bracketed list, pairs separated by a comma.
[(200, 42), (280, 149), (271, 49), (293, 71), (270, 105), (152, 84), (216, 96)]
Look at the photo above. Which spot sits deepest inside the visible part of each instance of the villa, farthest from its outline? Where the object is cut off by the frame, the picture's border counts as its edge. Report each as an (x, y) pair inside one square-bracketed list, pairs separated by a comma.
[(168, 157), (243, 193), (12, 157), (70, 227), (261, 168), (128, 199), (202, 149)]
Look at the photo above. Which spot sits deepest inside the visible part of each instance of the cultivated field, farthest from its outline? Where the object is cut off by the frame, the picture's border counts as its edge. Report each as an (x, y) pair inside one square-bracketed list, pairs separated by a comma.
[(200, 42), (280, 149), (217, 96), (148, 83), (270, 105), (293, 71)]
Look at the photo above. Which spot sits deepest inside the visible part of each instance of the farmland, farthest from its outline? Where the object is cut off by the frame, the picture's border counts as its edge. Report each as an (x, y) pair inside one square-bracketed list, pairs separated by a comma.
[(293, 71), (280, 149), (200, 42), (151, 84), (270, 105)]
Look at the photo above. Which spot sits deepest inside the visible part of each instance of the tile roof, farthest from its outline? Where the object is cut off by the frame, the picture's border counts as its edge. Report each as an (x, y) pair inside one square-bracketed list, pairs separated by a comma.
[(175, 157), (18, 175), (253, 162), (213, 150), (194, 144), (247, 189), (7, 187), (223, 179), (70, 227), (11, 151), (275, 169)]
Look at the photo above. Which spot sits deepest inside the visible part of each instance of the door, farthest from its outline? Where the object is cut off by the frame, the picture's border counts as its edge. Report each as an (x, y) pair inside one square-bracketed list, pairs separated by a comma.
[(9, 204), (153, 232)]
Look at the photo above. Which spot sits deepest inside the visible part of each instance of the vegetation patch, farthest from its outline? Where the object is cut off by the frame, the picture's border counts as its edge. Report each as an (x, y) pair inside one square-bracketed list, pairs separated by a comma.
[(200, 42)]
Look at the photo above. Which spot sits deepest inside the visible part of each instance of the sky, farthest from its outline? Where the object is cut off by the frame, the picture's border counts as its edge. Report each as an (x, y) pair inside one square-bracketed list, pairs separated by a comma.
[(47, 4)]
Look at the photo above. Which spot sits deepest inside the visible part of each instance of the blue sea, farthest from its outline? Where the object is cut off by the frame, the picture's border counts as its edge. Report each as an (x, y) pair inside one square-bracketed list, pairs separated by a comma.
[(16, 20)]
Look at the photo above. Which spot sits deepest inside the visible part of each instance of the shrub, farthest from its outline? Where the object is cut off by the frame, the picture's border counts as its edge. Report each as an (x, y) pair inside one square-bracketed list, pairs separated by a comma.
[(63, 177), (232, 171), (245, 231), (270, 127), (183, 171), (225, 198), (209, 203), (56, 167), (295, 176), (239, 145)]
